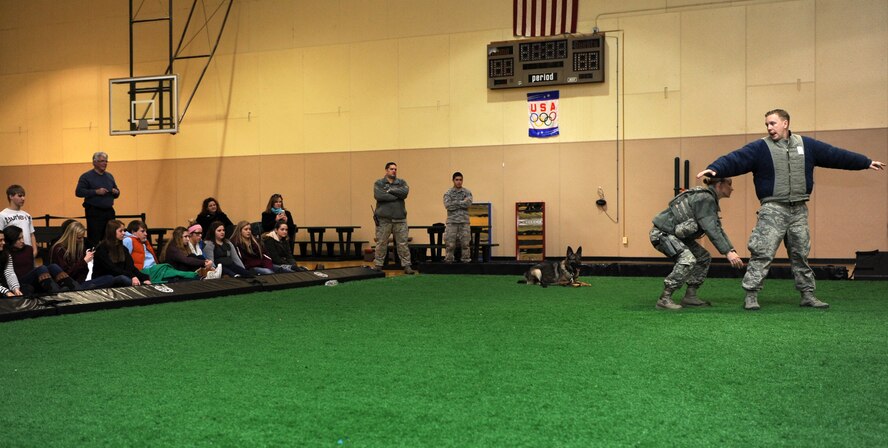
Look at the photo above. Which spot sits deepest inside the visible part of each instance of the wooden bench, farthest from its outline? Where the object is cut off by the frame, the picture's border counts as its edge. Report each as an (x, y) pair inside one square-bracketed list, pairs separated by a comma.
[(434, 250), (485, 251), (345, 249), (48, 234), (315, 246)]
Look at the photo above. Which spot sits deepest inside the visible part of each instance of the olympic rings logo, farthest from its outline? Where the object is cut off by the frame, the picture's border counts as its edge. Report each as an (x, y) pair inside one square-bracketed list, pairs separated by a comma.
[(542, 119)]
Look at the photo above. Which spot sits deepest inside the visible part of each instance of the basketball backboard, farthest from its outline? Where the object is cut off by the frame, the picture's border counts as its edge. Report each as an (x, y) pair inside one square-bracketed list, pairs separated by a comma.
[(144, 105)]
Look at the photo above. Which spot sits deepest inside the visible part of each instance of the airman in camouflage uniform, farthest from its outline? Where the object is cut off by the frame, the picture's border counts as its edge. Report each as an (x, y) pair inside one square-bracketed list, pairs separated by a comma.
[(689, 216), (391, 217), (457, 201), (782, 166)]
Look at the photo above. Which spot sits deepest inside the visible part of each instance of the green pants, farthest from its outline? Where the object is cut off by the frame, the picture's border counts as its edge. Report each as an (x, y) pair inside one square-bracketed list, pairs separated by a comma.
[(162, 272)]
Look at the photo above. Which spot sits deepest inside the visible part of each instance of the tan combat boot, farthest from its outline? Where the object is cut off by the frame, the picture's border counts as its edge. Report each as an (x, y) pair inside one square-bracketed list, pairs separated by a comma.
[(665, 301), (690, 298), (751, 302), (808, 299)]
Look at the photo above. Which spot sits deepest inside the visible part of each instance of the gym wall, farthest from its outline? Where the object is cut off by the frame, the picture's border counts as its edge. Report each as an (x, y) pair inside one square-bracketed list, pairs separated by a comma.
[(310, 99)]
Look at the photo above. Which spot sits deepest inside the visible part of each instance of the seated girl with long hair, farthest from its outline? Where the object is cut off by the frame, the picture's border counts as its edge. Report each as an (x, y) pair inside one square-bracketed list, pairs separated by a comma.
[(112, 258), (46, 278), (277, 246), (210, 212), (9, 284), (275, 213), (177, 254), (69, 253), (220, 251), (250, 251)]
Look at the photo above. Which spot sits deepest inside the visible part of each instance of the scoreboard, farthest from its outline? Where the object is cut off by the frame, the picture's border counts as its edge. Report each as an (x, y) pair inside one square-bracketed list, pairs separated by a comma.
[(567, 59)]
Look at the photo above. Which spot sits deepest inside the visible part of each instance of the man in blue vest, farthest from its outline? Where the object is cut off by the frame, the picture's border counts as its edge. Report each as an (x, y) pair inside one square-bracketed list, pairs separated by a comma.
[(782, 166)]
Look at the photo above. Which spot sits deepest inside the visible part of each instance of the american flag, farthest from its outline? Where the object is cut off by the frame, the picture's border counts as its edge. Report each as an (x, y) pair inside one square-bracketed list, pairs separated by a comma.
[(544, 17)]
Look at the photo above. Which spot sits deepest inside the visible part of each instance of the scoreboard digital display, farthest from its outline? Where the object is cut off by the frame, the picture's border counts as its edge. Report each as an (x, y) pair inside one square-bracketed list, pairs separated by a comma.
[(573, 59)]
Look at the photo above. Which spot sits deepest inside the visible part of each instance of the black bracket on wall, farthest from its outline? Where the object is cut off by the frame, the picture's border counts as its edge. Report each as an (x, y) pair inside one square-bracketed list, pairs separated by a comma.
[(687, 175)]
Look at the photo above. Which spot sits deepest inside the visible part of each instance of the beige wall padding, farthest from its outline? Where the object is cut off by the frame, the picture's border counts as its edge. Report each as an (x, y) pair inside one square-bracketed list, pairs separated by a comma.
[(848, 209), (310, 99)]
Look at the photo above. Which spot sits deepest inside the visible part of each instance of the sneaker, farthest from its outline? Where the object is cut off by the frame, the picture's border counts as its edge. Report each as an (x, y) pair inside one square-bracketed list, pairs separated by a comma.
[(666, 303), (813, 303), (408, 270), (214, 273), (751, 303)]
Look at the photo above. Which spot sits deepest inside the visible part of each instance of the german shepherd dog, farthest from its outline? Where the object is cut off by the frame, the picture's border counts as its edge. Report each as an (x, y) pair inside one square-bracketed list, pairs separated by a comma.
[(564, 273)]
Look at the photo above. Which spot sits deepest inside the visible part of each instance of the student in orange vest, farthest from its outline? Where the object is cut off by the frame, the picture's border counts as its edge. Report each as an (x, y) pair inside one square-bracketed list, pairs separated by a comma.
[(145, 258)]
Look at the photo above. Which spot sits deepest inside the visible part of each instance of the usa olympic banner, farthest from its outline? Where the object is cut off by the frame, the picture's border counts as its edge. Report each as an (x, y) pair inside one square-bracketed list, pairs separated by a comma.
[(542, 110)]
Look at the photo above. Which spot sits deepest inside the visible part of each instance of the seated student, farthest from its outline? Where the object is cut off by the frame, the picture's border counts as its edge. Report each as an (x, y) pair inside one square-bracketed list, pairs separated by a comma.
[(9, 284), (220, 251), (275, 213), (250, 251), (177, 254), (44, 279), (211, 212), (195, 241), (145, 258), (112, 258), (15, 216), (70, 254), (62, 228), (277, 246)]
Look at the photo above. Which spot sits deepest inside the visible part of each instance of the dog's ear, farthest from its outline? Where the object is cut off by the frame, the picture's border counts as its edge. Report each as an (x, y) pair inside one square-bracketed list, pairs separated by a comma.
[(580, 251), (569, 251)]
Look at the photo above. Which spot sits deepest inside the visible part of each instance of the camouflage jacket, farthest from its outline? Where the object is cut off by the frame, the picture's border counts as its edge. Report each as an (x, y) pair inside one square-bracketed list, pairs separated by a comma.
[(457, 202), (692, 214)]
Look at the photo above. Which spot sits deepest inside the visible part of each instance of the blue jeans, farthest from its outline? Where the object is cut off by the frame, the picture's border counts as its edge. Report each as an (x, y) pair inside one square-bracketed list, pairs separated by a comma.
[(260, 271), (32, 278), (106, 281)]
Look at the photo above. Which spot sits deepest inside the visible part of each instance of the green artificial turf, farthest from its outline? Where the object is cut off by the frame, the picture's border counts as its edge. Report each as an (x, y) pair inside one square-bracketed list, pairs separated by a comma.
[(456, 361)]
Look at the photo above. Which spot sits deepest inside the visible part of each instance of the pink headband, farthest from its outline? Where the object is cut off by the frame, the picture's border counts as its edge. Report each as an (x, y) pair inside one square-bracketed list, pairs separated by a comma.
[(195, 228)]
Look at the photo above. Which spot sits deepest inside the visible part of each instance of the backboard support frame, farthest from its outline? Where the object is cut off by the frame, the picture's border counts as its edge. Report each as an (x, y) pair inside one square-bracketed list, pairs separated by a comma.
[(151, 104)]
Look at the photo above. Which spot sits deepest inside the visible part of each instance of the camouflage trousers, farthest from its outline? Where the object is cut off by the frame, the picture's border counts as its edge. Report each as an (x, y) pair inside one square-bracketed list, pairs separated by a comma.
[(458, 233), (398, 230), (780, 222), (691, 259)]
